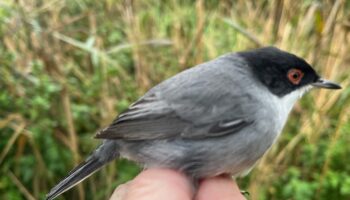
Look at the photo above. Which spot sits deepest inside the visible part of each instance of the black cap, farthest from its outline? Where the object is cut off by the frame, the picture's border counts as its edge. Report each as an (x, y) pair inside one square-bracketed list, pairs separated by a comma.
[(282, 72)]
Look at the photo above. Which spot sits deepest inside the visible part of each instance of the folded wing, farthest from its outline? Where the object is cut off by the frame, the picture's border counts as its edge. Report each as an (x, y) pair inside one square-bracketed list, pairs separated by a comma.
[(201, 102)]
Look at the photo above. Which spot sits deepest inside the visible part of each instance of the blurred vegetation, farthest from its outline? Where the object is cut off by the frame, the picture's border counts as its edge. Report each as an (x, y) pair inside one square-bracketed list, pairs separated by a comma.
[(68, 68)]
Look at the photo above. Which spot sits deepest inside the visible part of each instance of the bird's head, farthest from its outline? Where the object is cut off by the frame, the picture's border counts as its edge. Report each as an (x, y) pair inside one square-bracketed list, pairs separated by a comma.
[(282, 72)]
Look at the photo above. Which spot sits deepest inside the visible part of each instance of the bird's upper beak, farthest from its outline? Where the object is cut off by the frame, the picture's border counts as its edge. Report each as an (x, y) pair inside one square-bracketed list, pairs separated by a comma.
[(322, 83)]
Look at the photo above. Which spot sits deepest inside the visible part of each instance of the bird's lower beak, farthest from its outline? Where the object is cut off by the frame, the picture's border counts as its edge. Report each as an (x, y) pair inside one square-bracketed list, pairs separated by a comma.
[(322, 83)]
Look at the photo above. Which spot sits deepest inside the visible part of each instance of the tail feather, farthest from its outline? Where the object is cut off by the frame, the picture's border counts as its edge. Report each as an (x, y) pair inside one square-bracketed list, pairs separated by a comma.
[(105, 153), (78, 174)]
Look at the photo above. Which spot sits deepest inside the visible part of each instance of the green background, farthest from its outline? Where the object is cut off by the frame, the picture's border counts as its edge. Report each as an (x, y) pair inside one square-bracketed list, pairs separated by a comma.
[(67, 68)]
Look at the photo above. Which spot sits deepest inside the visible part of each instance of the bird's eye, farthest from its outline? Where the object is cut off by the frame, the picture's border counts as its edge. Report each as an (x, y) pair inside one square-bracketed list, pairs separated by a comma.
[(295, 75)]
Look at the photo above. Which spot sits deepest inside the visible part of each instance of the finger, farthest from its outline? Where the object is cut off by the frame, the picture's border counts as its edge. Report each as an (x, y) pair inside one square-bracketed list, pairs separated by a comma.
[(157, 184), (120, 192), (219, 187)]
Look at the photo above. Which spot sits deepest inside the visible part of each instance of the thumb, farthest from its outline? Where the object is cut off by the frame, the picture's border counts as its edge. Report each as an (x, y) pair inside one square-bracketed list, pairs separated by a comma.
[(156, 184)]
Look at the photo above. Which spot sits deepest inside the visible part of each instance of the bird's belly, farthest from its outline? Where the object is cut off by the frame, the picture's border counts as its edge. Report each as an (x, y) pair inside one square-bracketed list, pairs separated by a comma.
[(232, 153)]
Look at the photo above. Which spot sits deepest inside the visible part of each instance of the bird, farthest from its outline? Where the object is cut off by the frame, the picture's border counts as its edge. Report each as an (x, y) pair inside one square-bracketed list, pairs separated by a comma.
[(218, 117)]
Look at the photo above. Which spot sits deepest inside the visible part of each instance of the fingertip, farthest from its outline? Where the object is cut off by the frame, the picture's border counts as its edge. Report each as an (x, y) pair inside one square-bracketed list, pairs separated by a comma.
[(219, 187), (120, 192), (159, 184)]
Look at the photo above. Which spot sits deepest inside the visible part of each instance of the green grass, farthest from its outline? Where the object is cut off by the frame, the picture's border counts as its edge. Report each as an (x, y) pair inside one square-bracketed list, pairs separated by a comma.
[(67, 68)]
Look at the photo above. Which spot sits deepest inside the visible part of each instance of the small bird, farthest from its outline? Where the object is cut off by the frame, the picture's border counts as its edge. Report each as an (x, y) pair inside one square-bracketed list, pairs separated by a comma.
[(218, 117)]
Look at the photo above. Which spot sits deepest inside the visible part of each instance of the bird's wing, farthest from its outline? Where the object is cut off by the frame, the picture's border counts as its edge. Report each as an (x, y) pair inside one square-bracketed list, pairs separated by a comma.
[(148, 118), (198, 103)]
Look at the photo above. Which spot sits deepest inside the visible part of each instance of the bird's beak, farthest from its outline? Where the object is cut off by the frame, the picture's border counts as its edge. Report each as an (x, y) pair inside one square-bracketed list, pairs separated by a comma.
[(322, 83)]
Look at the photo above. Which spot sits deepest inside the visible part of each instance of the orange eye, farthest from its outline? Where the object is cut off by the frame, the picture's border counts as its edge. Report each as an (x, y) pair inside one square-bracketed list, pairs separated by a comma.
[(295, 75)]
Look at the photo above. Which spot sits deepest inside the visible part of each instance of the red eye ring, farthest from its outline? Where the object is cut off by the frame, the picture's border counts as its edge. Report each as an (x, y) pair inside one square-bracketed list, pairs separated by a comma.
[(295, 76)]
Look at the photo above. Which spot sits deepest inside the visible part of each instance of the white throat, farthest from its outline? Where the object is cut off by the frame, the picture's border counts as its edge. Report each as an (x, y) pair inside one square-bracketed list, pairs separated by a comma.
[(286, 103)]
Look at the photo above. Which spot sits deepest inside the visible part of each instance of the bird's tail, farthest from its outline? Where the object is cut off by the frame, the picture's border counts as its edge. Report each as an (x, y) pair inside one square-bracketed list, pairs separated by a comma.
[(74, 177), (102, 155)]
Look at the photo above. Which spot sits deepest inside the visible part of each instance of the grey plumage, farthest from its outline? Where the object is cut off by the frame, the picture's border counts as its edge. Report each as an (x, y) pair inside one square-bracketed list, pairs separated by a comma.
[(174, 108), (203, 121)]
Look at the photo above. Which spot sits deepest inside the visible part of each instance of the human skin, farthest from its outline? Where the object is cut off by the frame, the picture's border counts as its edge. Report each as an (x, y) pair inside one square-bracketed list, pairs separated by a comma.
[(160, 184)]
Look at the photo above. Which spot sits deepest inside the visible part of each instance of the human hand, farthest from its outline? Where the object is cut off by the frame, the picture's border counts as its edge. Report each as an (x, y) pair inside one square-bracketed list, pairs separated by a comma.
[(160, 184)]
